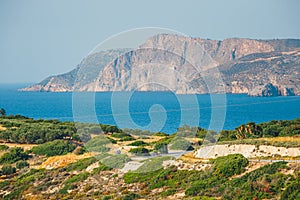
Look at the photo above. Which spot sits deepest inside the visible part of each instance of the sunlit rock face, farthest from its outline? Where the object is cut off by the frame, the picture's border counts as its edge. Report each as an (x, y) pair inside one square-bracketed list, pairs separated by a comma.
[(188, 65)]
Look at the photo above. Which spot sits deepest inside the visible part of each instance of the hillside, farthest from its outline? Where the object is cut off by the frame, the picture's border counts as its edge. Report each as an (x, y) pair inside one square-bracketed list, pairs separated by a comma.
[(49, 159), (188, 65)]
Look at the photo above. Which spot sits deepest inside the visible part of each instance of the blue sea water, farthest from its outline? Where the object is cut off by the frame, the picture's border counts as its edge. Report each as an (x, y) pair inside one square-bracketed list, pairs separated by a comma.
[(157, 111)]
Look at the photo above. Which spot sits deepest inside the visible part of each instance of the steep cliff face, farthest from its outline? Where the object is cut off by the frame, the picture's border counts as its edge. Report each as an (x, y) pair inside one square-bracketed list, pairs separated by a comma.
[(269, 90), (188, 65)]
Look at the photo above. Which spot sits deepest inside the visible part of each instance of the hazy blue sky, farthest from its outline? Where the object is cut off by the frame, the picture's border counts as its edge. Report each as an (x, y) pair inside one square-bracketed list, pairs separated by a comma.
[(39, 38)]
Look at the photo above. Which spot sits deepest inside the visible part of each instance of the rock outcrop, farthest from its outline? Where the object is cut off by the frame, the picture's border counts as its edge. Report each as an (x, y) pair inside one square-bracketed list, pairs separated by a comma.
[(269, 90), (188, 65), (247, 150)]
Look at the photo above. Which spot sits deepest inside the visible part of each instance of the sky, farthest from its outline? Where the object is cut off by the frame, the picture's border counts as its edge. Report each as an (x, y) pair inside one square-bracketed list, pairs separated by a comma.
[(39, 38)]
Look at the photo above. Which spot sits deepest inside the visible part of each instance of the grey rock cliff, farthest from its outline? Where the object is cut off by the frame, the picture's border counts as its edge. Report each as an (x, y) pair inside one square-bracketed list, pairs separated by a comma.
[(188, 65)]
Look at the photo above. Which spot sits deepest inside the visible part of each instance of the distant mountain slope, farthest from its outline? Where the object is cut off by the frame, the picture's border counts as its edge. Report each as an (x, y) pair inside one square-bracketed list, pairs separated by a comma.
[(188, 65)]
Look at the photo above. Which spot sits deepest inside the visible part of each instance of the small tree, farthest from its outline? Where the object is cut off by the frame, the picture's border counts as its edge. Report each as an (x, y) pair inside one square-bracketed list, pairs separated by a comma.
[(161, 147), (22, 164), (8, 169), (2, 112), (140, 151)]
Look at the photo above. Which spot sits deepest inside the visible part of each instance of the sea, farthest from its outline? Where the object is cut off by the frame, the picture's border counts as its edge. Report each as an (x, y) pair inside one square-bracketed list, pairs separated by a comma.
[(154, 111)]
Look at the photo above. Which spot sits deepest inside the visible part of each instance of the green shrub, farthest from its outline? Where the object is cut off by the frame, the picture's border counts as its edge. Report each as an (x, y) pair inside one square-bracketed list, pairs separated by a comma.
[(153, 164), (110, 129), (187, 131), (53, 148), (120, 135), (3, 147), (127, 138), (258, 184), (71, 182), (203, 198), (161, 134), (15, 154), (131, 196), (292, 191), (168, 192), (95, 129), (36, 131), (8, 170), (112, 140), (98, 144), (22, 164), (180, 144), (230, 165), (140, 151), (80, 164), (138, 143), (80, 150), (116, 161), (4, 184), (101, 168), (106, 198), (161, 147)]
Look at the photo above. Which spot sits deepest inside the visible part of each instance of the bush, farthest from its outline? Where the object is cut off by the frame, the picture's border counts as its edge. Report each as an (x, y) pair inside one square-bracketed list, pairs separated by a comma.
[(36, 131), (98, 144), (22, 164), (258, 184), (161, 134), (140, 151), (8, 169), (57, 147), (15, 154), (80, 164), (101, 168), (80, 150), (153, 164), (120, 135), (131, 196), (138, 143), (71, 182), (292, 191), (110, 129), (161, 147), (127, 138), (180, 144), (3, 147), (230, 165), (116, 161)]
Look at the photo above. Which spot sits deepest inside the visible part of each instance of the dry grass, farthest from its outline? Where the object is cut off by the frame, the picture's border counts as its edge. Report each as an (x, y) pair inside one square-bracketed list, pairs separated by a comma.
[(24, 146), (2, 127), (61, 161), (281, 139), (190, 158)]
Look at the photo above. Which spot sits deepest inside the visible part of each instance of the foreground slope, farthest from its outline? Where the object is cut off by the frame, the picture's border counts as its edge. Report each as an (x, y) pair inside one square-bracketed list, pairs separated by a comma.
[(48, 159)]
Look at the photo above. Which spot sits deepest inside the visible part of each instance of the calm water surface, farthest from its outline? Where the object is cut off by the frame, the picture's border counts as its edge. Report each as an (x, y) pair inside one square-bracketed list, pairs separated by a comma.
[(149, 110)]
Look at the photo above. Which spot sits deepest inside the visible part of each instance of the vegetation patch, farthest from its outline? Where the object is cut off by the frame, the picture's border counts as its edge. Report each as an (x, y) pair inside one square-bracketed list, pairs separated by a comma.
[(70, 183), (230, 165), (80, 164), (139, 151), (116, 161), (15, 154), (98, 144), (153, 164), (53, 148), (138, 143)]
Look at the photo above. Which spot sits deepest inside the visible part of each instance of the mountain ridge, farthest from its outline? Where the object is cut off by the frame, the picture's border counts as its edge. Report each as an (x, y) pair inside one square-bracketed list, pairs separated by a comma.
[(188, 65)]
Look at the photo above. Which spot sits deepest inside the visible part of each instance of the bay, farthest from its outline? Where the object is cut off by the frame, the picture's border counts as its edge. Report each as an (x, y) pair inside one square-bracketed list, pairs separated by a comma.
[(157, 111)]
